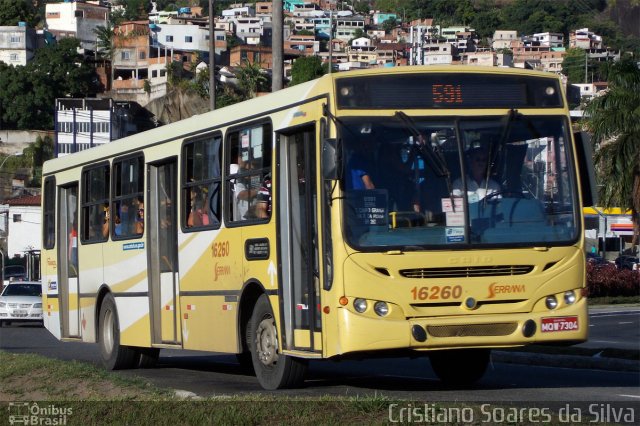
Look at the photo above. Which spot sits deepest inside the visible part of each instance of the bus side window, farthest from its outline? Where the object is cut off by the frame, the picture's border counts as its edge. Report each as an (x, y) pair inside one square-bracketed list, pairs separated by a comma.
[(201, 187), (95, 204), (49, 225), (128, 201), (249, 169)]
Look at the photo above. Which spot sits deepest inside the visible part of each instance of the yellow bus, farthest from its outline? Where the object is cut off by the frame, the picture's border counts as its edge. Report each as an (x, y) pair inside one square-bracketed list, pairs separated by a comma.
[(422, 211)]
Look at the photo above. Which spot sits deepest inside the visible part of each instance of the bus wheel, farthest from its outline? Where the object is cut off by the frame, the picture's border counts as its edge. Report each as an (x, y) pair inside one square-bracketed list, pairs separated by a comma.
[(273, 370), (114, 355), (460, 367)]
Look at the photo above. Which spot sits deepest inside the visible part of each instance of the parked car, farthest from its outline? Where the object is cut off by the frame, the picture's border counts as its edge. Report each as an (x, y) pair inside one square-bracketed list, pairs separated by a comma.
[(627, 262), (14, 273), (21, 301)]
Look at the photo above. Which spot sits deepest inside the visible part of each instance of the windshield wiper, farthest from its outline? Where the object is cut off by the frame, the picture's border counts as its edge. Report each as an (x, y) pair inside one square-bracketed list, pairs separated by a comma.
[(434, 155), (431, 153)]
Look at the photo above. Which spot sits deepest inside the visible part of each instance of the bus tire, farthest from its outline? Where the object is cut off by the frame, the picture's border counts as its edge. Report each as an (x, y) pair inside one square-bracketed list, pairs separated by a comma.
[(273, 370), (460, 367), (114, 355)]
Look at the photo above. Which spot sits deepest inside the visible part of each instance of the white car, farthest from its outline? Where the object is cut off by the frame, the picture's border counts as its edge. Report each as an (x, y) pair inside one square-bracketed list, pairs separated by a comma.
[(21, 301)]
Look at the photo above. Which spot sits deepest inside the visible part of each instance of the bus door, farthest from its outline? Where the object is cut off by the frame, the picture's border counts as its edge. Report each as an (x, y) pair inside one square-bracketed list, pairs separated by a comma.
[(163, 252), (298, 239), (68, 284)]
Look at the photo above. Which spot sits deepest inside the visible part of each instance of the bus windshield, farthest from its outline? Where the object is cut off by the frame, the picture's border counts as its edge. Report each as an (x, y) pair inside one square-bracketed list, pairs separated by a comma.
[(416, 182)]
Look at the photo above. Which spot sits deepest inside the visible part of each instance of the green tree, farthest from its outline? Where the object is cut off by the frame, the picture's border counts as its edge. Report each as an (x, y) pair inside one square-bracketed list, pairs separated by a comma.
[(306, 68), (36, 154), (614, 120), (12, 12), (104, 41), (27, 94), (389, 24), (573, 65), (251, 80)]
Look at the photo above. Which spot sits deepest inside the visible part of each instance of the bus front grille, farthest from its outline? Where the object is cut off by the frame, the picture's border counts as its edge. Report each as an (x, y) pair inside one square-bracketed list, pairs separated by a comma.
[(467, 271), (472, 330)]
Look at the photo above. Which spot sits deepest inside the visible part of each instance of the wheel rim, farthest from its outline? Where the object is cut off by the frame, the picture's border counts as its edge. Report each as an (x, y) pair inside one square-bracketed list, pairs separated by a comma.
[(107, 331), (267, 342)]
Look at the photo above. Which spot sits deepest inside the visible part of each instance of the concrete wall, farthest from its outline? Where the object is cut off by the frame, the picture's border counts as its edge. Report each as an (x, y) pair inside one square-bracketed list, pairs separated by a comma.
[(13, 141)]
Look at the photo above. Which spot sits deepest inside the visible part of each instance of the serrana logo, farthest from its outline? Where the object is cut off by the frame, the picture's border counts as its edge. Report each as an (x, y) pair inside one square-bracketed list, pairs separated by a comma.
[(221, 270), (496, 289)]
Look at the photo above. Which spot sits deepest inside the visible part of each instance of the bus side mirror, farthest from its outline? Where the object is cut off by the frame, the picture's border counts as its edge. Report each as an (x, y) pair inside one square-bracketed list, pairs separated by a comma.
[(586, 171), (330, 159)]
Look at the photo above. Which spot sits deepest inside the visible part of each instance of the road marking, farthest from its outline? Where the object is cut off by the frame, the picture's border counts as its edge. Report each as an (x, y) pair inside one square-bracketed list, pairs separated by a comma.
[(604, 341), (613, 314), (626, 322), (631, 396)]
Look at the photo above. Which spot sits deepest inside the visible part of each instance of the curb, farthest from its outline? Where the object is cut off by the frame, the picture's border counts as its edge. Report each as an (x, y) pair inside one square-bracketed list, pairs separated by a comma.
[(566, 361)]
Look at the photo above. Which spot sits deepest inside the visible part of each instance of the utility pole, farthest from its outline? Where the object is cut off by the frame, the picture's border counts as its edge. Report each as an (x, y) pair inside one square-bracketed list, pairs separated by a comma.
[(212, 56), (277, 47), (586, 80), (330, 41)]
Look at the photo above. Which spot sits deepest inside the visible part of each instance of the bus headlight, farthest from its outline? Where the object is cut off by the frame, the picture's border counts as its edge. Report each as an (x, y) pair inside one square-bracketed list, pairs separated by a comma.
[(360, 305), (381, 308), (551, 302), (569, 297)]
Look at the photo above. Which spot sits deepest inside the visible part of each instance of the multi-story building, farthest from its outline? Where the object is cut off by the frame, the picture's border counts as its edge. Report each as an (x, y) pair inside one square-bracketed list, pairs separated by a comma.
[(550, 39), (237, 12), (17, 44), (76, 19), (249, 29), (551, 61), (502, 39), (84, 123), (139, 69), (346, 27), (306, 44), (585, 39)]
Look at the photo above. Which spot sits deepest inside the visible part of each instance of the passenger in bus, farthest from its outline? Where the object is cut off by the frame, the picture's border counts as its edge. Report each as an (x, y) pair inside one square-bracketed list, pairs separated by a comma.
[(479, 184), (358, 171), (263, 199), (197, 214), (73, 245), (105, 222), (243, 192), (139, 224)]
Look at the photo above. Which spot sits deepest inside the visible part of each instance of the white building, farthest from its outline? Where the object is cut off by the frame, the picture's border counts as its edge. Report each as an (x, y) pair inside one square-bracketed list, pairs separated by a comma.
[(85, 123), (183, 37), (550, 39), (24, 217), (17, 44), (79, 20), (502, 39)]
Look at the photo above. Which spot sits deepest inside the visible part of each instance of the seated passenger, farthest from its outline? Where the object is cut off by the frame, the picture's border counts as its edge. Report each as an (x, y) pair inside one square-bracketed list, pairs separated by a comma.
[(479, 184)]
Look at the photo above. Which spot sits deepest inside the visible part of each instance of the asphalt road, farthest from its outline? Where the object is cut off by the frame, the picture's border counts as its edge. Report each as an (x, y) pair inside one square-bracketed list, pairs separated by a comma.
[(207, 374), (614, 327)]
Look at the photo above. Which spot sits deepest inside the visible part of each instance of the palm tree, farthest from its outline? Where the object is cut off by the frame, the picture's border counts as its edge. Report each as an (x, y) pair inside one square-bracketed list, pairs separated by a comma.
[(252, 80), (104, 44), (614, 120)]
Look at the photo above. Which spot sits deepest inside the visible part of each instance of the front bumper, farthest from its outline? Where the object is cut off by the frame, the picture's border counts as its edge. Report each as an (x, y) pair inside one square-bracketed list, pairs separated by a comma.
[(18, 313), (361, 333)]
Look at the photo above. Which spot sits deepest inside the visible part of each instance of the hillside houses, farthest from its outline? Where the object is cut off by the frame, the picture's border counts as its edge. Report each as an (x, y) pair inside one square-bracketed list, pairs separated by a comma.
[(145, 51)]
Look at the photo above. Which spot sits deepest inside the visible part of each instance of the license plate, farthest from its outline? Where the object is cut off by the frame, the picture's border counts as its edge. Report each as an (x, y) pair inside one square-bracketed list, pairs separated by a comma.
[(19, 312), (555, 324)]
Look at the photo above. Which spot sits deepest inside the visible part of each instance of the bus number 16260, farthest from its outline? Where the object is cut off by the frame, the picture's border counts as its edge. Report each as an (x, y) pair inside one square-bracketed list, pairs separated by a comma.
[(436, 292)]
